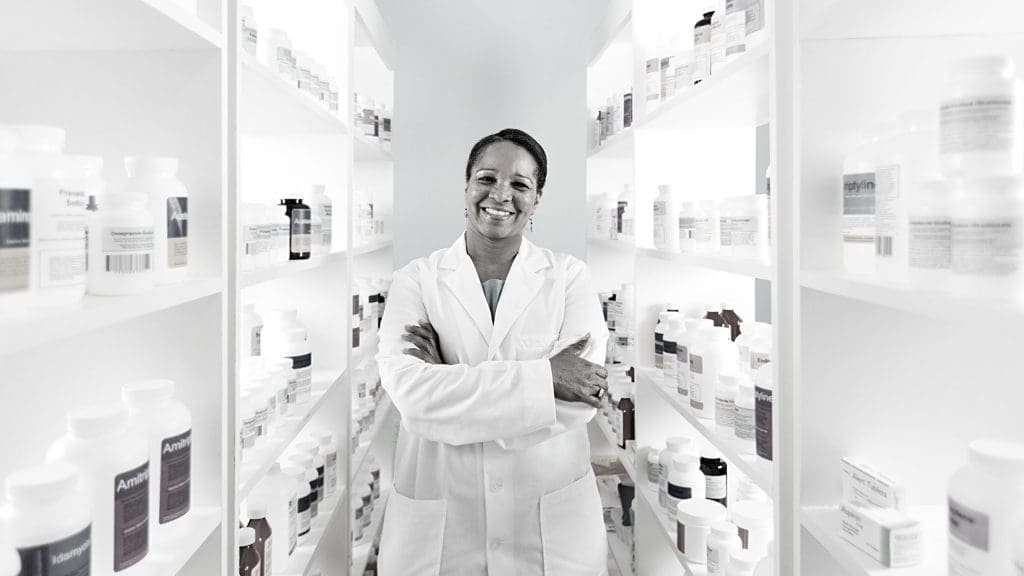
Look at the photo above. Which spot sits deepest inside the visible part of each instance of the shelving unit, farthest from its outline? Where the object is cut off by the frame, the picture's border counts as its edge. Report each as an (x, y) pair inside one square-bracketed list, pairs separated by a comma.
[(731, 448), (625, 458), (294, 112), (383, 418), (203, 524), (751, 268), (361, 551), (649, 498), (286, 269), (300, 562)]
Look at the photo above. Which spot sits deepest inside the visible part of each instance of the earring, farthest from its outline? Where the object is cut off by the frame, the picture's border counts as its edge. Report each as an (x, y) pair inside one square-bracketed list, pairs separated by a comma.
[(465, 213), (531, 223)]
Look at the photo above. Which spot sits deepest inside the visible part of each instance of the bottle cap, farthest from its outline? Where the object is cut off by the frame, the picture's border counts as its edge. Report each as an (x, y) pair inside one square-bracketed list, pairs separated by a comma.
[(246, 537), (765, 376), (699, 512), (684, 462), (145, 392), (256, 509), (743, 559), (83, 166), (138, 165), (1005, 456), (35, 138), (724, 529), (678, 444), (318, 189), (750, 514), (96, 421), (323, 437), (295, 335), (41, 483)]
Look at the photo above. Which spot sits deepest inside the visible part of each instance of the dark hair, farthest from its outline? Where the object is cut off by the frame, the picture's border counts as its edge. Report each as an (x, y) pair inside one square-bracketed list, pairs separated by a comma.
[(519, 138)]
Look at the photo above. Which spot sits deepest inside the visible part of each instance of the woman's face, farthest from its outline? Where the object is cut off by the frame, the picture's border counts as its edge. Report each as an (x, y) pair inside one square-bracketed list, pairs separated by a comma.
[(501, 194)]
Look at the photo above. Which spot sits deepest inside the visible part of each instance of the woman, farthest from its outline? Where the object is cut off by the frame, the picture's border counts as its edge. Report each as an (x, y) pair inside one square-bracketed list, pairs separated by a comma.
[(492, 471)]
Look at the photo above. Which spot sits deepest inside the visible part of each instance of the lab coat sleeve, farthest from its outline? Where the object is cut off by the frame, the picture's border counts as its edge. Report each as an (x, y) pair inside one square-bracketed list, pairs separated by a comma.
[(458, 404), (582, 316)]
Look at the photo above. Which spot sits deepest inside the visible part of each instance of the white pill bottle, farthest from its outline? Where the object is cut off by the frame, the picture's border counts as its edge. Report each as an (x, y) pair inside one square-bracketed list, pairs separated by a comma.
[(156, 178)]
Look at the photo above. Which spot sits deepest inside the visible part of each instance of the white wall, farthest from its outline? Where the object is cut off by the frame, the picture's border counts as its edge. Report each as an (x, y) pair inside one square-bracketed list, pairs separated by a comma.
[(468, 68)]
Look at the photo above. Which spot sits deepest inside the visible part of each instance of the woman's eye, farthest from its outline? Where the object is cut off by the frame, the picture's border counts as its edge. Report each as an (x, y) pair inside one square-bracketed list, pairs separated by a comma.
[(486, 179), (522, 186)]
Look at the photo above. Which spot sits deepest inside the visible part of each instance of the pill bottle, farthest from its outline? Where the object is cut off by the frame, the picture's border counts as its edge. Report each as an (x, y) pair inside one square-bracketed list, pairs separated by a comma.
[(250, 30), (690, 338), (46, 519), (753, 522), (329, 451), (653, 466), (930, 236), (735, 29), (688, 212), (156, 179), (366, 494), (280, 226), (121, 242), (277, 54), (981, 118), (763, 402), (722, 540), (693, 525), (304, 461), (751, 331), (760, 351), (718, 38), (659, 338), (702, 46), (708, 235), (766, 567), (248, 556), (988, 238), (716, 475), (673, 446), (747, 490), (727, 208), (246, 427), (683, 65), (254, 237), (252, 326), (627, 415), (167, 426), (356, 503), (278, 491), (743, 562), (858, 201), (685, 481), (743, 419), (296, 349), (59, 215), (373, 466), (264, 543), (986, 503), (714, 354), (282, 376), (748, 227), (324, 209), (319, 463), (297, 475), (670, 360), (666, 220), (652, 81), (300, 239), (113, 461), (15, 225)]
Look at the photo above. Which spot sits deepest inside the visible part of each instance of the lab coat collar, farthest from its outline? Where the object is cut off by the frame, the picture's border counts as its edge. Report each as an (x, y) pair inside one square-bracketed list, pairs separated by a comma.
[(521, 287)]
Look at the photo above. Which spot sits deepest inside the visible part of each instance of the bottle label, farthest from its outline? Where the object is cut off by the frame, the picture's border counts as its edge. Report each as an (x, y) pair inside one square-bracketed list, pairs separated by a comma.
[(987, 246), (859, 208), (659, 348), (716, 487), (284, 60), (251, 239), (254, 340), (177, 232), (331, 472), (68, 557), (326, 224), (755, 16), (743, 423), (930, 243), (743, 231), (303, 366), (758, 359), (127, 250), (660, 226), (725, 231), (15, 238), (715, 567), (293, 524), (60, 235), (977, 124), (653, 77), (175, 476), (304, 515), (301, 230), (673, 496), (887, 201), (704, 231), (724, 412), (735, 27), (131, 517), (968, 541), (249, 35), (763, 422), (696, 375), (687, 228), (268, 556), (653, 473), (667, 78)]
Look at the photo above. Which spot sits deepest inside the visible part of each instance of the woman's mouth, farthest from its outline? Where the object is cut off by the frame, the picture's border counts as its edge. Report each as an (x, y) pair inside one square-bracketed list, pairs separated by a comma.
[(497, 213)]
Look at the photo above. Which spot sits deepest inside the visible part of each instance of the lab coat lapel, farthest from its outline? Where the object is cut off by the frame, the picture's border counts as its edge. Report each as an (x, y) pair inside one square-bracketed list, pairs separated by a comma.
[(521, 287), (460, 276)]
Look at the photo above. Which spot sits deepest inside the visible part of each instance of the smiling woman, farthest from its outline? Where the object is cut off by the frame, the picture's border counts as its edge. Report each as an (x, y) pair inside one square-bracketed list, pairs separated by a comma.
[(505, 369)]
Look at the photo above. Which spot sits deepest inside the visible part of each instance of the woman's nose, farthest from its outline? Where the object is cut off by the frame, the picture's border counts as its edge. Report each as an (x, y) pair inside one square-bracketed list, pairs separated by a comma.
[(502, 192)]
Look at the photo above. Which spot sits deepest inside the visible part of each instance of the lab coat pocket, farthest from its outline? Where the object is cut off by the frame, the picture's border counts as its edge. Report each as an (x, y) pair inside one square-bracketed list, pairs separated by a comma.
[(413, 536), (535, 346), (572, 530)]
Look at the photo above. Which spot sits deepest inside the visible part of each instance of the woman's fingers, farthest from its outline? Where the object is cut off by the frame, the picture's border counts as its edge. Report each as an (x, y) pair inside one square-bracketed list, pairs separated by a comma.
[(590, 399), (417, 353), (418, 341), (422, 332)]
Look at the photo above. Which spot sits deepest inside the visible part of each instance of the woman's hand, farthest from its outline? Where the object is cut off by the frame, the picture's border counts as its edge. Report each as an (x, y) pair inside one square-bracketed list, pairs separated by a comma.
[(576, 379), (424, 338)]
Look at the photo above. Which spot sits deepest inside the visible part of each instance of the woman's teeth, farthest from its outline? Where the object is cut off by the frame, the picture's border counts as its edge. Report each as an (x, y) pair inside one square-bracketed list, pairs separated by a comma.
[(500, 214)]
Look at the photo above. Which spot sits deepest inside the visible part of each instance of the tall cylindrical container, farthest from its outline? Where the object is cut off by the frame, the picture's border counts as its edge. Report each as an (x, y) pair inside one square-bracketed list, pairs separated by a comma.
[(156, 178)]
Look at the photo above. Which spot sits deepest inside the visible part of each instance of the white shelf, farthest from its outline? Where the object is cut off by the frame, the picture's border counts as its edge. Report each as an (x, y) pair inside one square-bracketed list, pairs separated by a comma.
[(252, 470), (271, 105), (752, 268), (286, 269), (609, 244), (300, 562), (96, 25), (371, 247), (736, 96), (931, 304), (749, 464), (823, 524), (202, 523), (367, 149), (650, 498), (34, 328), (361, 551), (619, 146), (857, 19), (627, 460), (380, 418)]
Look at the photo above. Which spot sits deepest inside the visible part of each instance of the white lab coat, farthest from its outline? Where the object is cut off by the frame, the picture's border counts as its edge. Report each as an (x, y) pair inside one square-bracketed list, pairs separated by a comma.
[(492, 473)]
